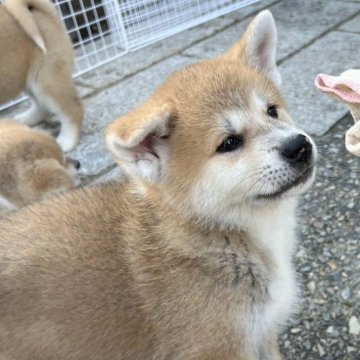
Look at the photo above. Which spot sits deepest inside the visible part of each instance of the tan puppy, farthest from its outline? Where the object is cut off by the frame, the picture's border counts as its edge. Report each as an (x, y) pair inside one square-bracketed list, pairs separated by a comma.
[(37, 57), (32, 166), (189, 259)]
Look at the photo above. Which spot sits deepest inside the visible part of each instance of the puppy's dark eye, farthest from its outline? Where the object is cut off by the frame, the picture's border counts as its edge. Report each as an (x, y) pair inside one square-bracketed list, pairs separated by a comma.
[(231, 143), (272, 111)]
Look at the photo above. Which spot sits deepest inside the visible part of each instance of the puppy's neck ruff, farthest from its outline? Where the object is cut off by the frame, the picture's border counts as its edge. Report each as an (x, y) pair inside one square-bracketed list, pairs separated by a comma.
[(268, 230), (270, 226)]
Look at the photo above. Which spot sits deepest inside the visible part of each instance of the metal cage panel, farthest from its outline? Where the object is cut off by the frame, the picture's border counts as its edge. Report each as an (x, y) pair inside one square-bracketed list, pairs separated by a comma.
[(146, 21)]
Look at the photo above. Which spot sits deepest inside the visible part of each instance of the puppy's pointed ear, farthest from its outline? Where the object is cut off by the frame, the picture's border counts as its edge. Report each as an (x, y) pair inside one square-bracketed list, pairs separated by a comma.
[(138, 140), (258, 46)]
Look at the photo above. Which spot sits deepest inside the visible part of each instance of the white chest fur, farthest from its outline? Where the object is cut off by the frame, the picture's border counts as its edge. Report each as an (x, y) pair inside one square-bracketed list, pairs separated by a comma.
[(274, 230)]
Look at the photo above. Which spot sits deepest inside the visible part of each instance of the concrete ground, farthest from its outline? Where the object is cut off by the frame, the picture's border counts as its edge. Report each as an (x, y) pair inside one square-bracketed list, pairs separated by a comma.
[(314, 36)]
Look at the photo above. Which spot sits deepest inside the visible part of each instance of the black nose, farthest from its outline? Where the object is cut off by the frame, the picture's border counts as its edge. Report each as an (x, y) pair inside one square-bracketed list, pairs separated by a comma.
[(297, 149), (77, 164)]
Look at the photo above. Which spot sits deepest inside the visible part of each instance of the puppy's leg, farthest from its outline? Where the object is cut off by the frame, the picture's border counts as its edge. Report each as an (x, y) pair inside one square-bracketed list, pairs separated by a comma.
[(60, 97), (65, 104), (34, 114)]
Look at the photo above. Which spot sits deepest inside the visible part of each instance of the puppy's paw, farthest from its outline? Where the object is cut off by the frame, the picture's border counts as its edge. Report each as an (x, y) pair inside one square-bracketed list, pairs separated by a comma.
[(32, 116), (67, 143), (27, 120), (68, 137)]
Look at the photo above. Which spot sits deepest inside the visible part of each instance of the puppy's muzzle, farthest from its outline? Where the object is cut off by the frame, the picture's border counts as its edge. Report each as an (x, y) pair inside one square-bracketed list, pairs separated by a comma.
[(297, 151)]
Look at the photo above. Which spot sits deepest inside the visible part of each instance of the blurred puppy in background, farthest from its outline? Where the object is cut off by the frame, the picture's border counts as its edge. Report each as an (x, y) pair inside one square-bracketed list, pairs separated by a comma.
[(32, 166), (37, 57)]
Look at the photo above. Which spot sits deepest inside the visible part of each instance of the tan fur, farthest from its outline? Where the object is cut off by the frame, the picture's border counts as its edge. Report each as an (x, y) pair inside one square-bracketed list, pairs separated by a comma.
[(140, 270), (32, 165), (37, 57)]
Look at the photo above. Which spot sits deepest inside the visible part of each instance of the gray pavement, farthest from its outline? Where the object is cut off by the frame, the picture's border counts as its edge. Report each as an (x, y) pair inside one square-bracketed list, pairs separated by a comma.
[(314, 36)]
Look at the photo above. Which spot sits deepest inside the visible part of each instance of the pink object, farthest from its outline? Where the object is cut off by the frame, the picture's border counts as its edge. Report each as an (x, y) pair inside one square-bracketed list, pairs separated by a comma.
[(346, 88)]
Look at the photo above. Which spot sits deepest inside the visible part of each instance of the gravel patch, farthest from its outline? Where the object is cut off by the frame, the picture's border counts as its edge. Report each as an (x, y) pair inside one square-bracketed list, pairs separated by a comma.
[(328, 258)]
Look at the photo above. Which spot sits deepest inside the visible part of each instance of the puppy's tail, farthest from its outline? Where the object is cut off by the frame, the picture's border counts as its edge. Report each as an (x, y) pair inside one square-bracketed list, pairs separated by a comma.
[(22, 11)]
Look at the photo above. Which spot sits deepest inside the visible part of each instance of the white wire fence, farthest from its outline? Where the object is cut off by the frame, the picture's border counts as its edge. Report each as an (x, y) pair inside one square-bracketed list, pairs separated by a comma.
[(103, 30)]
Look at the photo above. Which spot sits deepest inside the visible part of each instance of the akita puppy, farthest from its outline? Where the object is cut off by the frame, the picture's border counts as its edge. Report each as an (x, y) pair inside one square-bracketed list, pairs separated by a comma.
[(37, 57), (191, 258), (32, 166)]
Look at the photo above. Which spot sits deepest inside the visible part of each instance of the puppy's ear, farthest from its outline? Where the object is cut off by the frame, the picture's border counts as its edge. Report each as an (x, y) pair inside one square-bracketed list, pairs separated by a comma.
[(138, 140), (257, 47)]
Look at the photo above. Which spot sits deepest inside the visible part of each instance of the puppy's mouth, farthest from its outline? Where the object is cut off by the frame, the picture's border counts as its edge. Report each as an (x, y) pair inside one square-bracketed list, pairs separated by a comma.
[(301, 179)]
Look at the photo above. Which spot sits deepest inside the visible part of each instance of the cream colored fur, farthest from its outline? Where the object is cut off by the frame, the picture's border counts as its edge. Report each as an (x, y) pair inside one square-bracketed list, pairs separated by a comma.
[(191, 257), (37, 57), (32, 166)]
